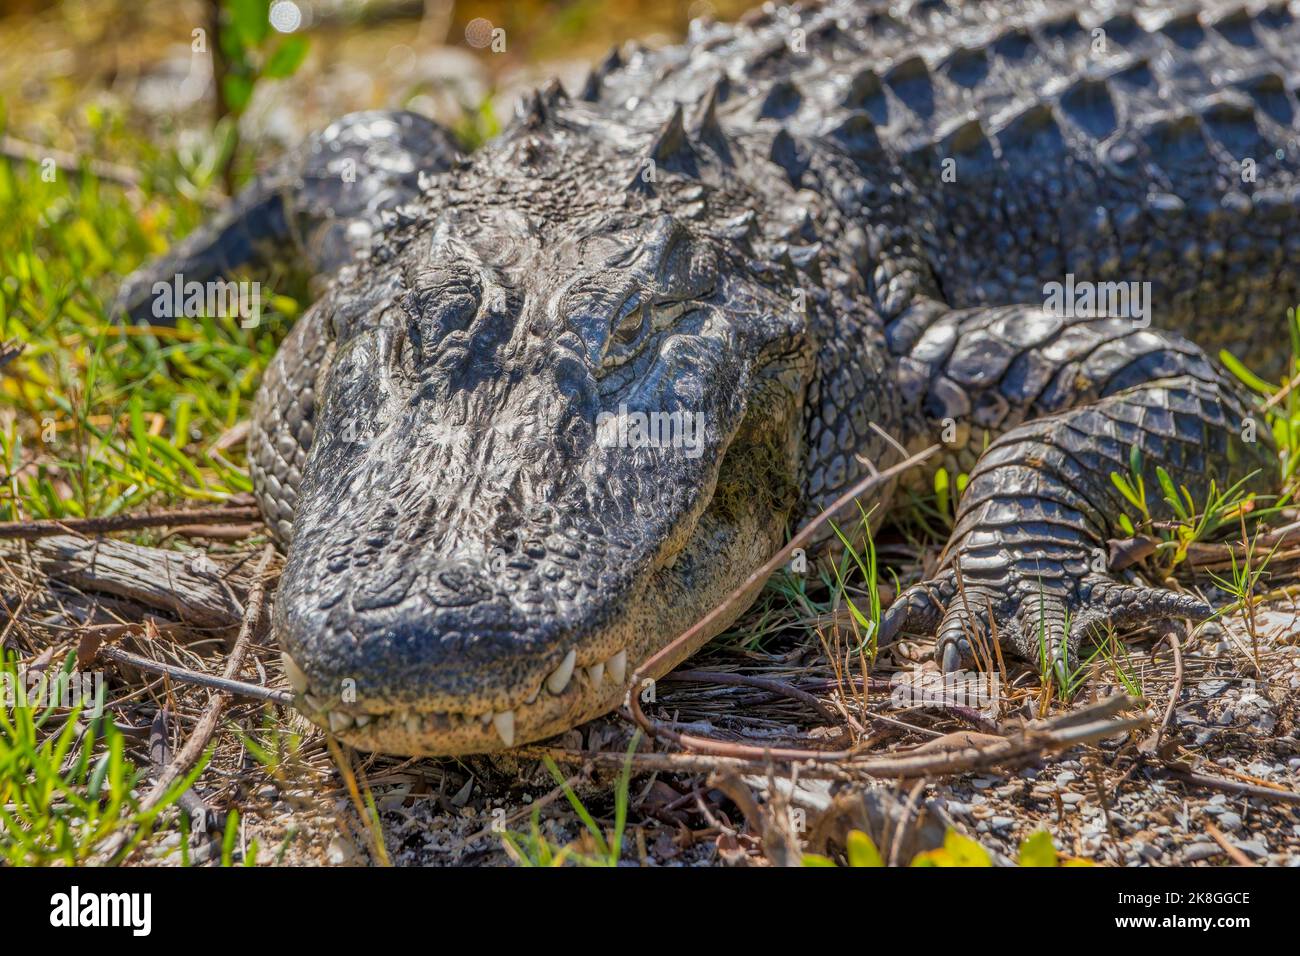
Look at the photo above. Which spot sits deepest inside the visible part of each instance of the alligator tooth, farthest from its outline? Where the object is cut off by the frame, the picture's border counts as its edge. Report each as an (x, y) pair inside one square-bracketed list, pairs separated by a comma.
[(618, 666), (297, 679), (340, 721), (504, 722), (413, 724), (363, 719), (486, 719), (597, 674), (559, 678), (533, 696)]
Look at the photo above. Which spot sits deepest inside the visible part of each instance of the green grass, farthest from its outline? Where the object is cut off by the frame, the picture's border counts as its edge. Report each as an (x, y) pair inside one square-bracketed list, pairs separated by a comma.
[(865, 624), (533, 848), (1241, 583), (66, 784), (106, 418), (96, 419), (1281, 402), (1184, 523)]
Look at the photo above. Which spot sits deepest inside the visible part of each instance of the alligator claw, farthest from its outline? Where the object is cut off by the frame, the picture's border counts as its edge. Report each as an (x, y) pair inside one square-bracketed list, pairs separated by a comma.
[(1033, 626)]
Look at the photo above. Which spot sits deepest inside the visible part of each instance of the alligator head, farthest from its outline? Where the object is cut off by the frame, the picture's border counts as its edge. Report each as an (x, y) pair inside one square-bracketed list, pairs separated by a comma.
[(573, 431)]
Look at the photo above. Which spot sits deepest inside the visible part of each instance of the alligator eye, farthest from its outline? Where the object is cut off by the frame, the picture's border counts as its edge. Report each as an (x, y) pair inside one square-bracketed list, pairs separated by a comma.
[(631, 318)]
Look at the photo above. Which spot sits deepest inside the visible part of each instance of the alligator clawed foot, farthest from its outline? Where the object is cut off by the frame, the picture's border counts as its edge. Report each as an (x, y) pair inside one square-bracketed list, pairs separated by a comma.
[(1040, 625)]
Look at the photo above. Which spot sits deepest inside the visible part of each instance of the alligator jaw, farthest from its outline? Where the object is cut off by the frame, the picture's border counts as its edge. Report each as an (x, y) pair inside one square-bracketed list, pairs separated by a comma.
[(451, 595), (728, 541)]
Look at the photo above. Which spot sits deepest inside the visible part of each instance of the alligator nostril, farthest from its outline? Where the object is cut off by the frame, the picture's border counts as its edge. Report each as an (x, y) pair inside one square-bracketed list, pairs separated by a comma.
[(383, 589), (440, 304)]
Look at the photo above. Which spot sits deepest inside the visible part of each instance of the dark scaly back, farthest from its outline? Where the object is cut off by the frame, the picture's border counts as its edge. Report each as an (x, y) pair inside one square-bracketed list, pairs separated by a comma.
[(1103, 140)]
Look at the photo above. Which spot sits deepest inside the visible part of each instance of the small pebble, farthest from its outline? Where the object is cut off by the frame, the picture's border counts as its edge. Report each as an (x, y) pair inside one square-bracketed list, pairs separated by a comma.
[(1201, 851), (340, 851), (1255, 848), (1211, 688), (1230, 820), (1149, 853)]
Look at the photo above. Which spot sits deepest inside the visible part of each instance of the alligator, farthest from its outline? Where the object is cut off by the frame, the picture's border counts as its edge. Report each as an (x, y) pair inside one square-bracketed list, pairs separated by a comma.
[(560, 396)]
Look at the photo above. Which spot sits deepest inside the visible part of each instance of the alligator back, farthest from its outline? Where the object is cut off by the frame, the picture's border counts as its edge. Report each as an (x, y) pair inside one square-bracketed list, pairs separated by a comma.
[(1030, 141)]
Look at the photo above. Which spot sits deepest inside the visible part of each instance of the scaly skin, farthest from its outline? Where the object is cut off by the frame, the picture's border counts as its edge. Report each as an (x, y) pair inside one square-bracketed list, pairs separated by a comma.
[(763, 227)]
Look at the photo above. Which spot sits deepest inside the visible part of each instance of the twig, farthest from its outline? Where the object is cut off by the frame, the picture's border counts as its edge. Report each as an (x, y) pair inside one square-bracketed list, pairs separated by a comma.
[(762, 683), (207, 724), (68, 162), (678, 763), (1230, 786), (1093, 722), (1281, 393), (172, 581), (900, 825), (1237, 856), (1214, 554), (160, 755), (1152, 743), (235, 688), (46, 527)]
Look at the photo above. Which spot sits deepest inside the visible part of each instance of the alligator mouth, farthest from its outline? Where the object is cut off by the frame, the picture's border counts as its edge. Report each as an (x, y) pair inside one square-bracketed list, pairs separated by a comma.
[(735, 531)]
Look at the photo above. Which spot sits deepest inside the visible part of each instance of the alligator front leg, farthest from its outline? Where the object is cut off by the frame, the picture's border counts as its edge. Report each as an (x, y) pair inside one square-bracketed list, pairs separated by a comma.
[(314, 210), (1027, 556)]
